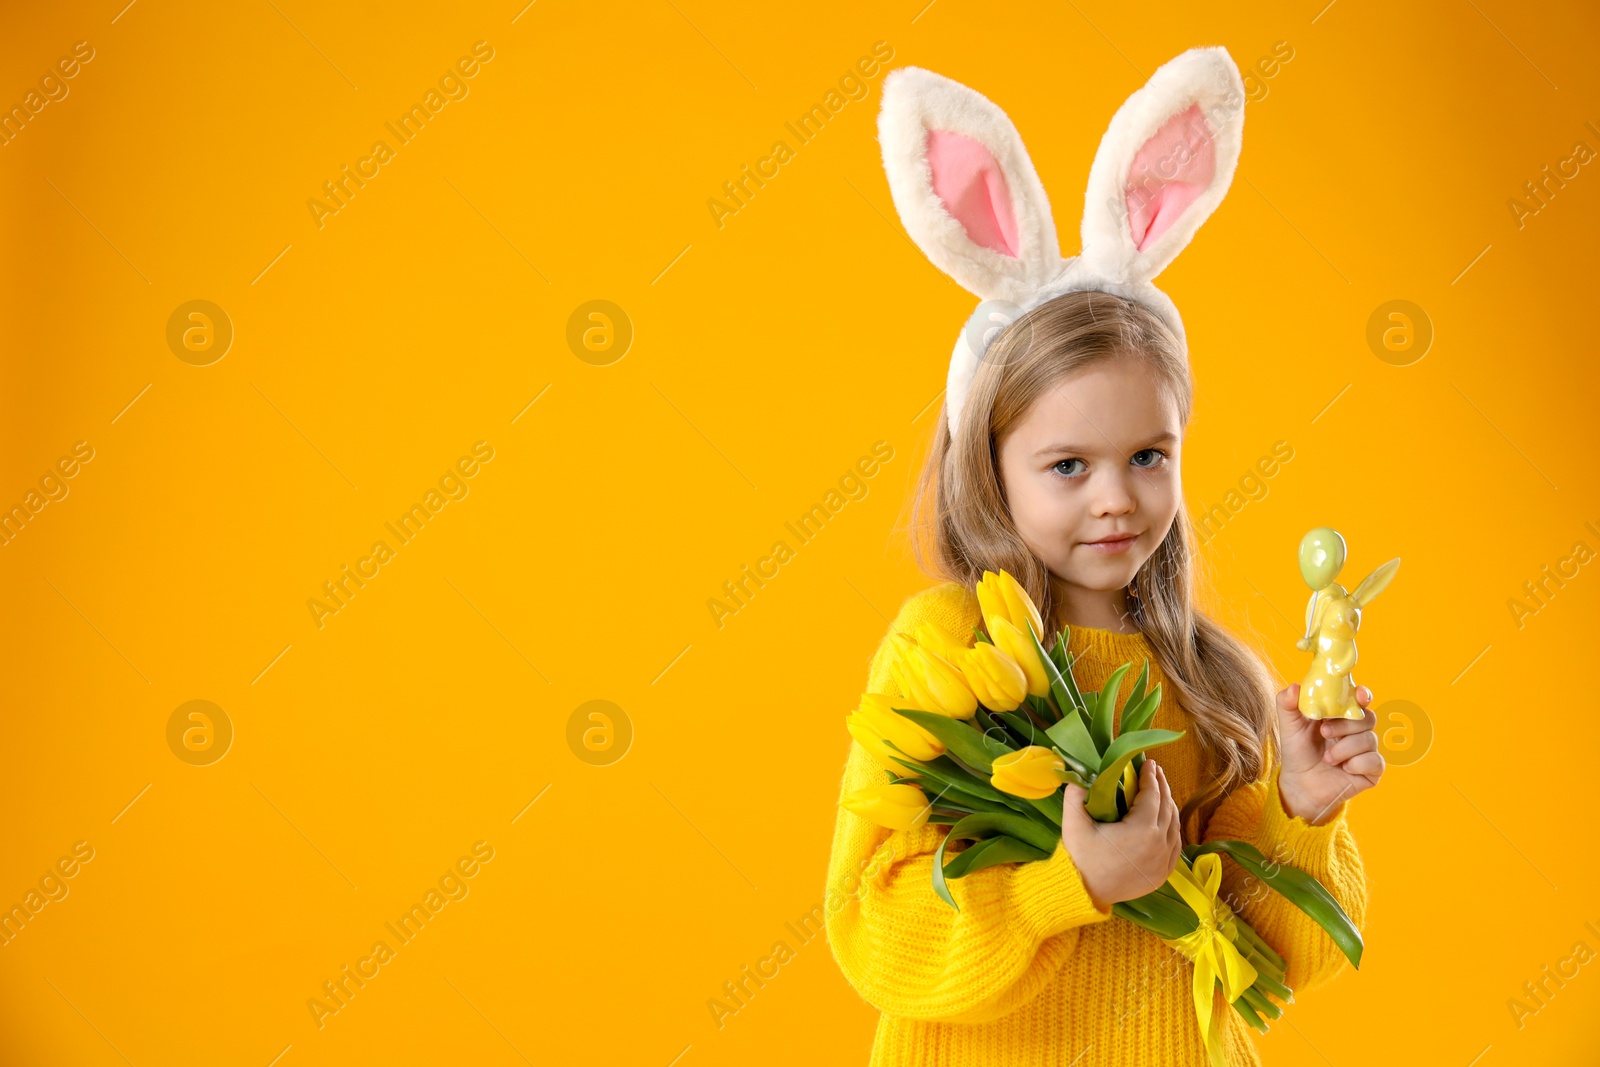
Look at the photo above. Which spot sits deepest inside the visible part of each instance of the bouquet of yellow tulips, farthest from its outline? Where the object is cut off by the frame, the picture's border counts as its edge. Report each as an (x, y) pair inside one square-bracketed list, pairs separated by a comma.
[(991, 733)]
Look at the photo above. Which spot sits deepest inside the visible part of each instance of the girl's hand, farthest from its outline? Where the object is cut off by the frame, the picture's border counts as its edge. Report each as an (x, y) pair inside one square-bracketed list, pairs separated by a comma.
[(1325, 761), (1126, 859)]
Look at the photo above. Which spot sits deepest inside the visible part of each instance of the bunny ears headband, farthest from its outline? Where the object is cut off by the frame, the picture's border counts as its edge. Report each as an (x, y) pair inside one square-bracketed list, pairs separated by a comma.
[(969, 197)]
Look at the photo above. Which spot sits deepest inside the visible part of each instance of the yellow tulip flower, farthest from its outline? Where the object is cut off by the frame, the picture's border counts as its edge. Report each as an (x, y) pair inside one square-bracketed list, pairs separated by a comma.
[(1000, 596), (996, 679), (897, 807), (1016, 644), (929, 681), (1029, 773), (874, 722)]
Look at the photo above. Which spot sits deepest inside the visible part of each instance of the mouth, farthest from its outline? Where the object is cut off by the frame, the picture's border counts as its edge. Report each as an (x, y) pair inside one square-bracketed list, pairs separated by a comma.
[(1114, 543)]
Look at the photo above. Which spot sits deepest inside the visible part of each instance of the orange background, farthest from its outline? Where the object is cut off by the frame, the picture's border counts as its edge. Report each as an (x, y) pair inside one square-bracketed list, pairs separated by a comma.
[(768, 356)]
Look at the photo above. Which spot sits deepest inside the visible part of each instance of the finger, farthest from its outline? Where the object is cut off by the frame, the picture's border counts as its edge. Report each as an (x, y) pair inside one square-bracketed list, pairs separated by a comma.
[(1289, 697), (1172, 800), (1363, 695), (1366, 765), (1164, 816), (1341, 727), (1353, 745), (1073, 813), (1147, 804), (1078, 827)]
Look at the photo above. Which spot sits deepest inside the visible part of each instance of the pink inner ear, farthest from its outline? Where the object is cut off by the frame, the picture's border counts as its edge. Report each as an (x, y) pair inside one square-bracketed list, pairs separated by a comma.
[(973, 188), (1172, 169)]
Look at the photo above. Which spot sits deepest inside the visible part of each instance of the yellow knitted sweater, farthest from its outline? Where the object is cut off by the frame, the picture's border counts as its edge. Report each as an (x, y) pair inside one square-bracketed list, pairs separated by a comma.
[(1029, 971)]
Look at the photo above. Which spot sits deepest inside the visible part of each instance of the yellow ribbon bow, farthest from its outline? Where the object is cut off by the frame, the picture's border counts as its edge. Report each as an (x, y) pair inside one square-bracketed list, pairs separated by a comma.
[(1211, 945)]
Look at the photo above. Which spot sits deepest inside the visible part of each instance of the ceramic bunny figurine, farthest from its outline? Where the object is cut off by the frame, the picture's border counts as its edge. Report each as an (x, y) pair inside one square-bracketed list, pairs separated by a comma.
[(968, 194), (1332, 618)]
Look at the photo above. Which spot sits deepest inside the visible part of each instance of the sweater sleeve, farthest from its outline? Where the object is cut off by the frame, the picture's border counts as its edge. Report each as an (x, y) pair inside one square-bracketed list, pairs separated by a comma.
[(1328, 853), (910, 954)]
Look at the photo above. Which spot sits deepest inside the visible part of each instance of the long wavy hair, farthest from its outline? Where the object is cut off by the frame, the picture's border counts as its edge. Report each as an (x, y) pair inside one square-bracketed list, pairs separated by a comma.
[(961, 526)]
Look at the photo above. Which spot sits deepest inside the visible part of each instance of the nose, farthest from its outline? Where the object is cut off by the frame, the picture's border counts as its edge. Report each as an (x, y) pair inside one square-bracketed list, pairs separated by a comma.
[(1113, 495)]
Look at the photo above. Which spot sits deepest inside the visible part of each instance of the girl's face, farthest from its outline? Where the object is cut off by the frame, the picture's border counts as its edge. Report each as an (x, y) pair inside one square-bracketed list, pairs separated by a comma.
[(1095, 458)]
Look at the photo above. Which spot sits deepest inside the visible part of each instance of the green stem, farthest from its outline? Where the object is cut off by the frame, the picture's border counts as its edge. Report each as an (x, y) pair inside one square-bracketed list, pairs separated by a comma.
[(1258, 1000), (1135, 913), (1272, 983), (1039, 711), (1243, 1007), (1261, 946)]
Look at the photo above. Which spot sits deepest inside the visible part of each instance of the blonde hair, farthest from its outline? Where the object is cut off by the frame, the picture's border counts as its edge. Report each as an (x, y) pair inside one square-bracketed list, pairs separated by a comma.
[(962, 526)]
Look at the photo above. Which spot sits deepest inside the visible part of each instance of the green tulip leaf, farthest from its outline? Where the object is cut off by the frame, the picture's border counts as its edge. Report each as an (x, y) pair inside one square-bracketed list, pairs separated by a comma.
[(965, 743), (1050, 808), (1104, 706), (1060, 655), (1065, 661), (960, 831), (1023, 727), (1125, 747), (1074, 778), (1137, 716), (1135, 696), (996, 740), (960, 788), (1134, 911), (1043, 708), (1058, 685), (1165, 913), (992, 852), (1102, 802), (1073, 738), (939, 885), (1016, 826)]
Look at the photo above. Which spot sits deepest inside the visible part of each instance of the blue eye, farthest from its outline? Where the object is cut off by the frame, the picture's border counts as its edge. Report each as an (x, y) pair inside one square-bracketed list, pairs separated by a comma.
[(1152, 458), (1156, 454)]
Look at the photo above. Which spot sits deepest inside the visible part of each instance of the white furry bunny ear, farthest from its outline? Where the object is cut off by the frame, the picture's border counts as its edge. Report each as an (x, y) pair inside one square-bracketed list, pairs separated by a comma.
[(1164, 165), (965, 187), (971, 200)]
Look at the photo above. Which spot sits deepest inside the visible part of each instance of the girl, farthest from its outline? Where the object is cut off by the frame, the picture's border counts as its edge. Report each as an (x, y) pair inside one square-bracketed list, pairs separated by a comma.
[(1058, 460)]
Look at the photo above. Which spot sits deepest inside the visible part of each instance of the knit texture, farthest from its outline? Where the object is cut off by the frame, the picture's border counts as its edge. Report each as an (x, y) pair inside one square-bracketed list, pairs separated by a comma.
[(1029, 971)]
